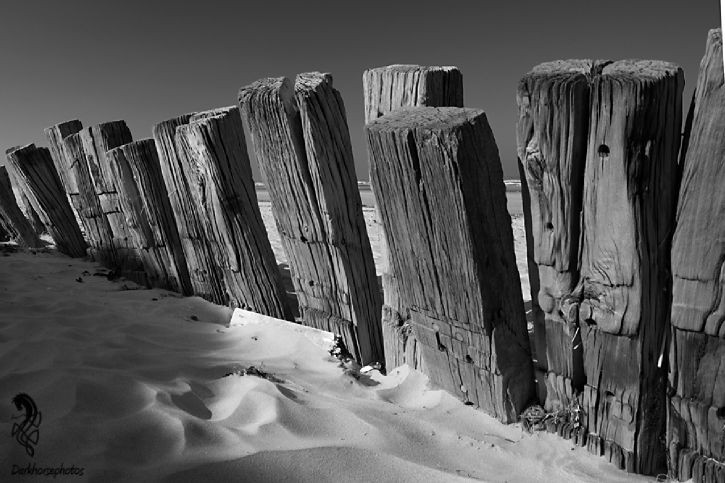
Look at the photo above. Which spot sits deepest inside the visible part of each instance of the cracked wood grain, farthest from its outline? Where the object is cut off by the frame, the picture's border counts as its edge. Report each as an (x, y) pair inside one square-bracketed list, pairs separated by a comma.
[(35, 172), (386, 89), (16, 224), (145, 202), (438, 178), (219, 179), (301, 140), (55, 135), (696, 406)]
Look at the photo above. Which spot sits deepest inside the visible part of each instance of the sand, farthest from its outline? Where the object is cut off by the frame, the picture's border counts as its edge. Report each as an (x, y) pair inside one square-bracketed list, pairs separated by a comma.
[(144, 385)]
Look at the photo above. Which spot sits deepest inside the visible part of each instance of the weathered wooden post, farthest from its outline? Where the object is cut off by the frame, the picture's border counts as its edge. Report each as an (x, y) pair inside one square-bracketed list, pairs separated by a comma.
[(207, 278), (302, 143), (84, 199), (220, 181), (146, 204), (97, 141), (20, 228), (23, 198), (386, 89), (623, 297), (35, 172), (696, 406), (553, 102), (453, 250), (55, 135)]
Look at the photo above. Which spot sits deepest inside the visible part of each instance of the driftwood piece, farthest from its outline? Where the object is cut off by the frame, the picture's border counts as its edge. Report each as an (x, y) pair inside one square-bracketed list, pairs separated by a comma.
[(84, 199), (301, 140), (621, 303), (35, 172), (219, 177), (207, 277), (97, 140), (696, 407), (145, 202), (553, 102), (18, 227), (55, 135), (453, 251), (386, 89)]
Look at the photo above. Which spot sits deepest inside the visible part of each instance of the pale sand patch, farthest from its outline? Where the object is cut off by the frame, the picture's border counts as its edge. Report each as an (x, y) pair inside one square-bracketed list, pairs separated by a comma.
[(133, 385)]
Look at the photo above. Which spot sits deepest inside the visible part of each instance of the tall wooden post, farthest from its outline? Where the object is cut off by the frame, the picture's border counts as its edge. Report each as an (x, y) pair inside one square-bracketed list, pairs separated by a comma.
[(35, 172), (696, 406), (453, 251), (146, 204), (55, 135), (207, 278), (220, 181), (97, 141), (386, 89), (623, 297), (23, 198), (302, 143), (84, 199), (553, 102), (20, 228)]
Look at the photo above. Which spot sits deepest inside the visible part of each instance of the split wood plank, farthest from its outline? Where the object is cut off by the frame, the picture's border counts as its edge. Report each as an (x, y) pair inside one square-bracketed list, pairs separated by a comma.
[(17, 224), (220, 181), (36, 174), (623, 297), (553, 101), (145, 202), (302, 143), (207, 278), (55, 135), (453, 250), (386, 89), (696, 406)]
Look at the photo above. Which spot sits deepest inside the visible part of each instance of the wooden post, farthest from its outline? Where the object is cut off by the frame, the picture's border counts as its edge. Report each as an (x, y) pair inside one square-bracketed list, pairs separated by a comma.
[(35, 172), (55, 135), (696, 406), (386, 89), (23, 198), (207, 278), (621, 303), (146, 204), (553, 102), (453, 250), (220, 181), (302, 143), (21, 229), (84, 199), (97, 141)]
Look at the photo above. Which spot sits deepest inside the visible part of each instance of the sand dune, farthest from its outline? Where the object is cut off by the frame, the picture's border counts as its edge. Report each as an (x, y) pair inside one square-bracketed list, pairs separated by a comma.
[(138, 385)]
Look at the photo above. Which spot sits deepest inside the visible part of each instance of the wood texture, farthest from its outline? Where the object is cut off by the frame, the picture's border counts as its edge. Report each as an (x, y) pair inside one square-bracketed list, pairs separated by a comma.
[(97, 140), (16, 224), (145, 202), (220, 181), (55, 135), (553, 102), (696, 407), (35, 172), (207, 278), (302, 143), (386, 89), (83, 198), (453, 249), (24, 198), (624, 293)]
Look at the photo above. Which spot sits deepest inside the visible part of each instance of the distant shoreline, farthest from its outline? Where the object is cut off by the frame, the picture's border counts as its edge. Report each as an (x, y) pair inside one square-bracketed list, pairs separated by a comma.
[(512, 185)]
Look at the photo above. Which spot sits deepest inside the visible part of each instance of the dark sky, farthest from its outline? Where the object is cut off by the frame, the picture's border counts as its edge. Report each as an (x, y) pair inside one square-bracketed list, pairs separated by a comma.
[(146, 61)]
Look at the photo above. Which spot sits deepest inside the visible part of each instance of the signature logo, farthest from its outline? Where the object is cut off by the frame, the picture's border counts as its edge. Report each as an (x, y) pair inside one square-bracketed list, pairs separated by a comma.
[(26, 432)]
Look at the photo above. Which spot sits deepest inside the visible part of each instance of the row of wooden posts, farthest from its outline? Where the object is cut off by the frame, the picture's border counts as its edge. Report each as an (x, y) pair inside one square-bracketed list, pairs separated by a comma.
[(625, 231)]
